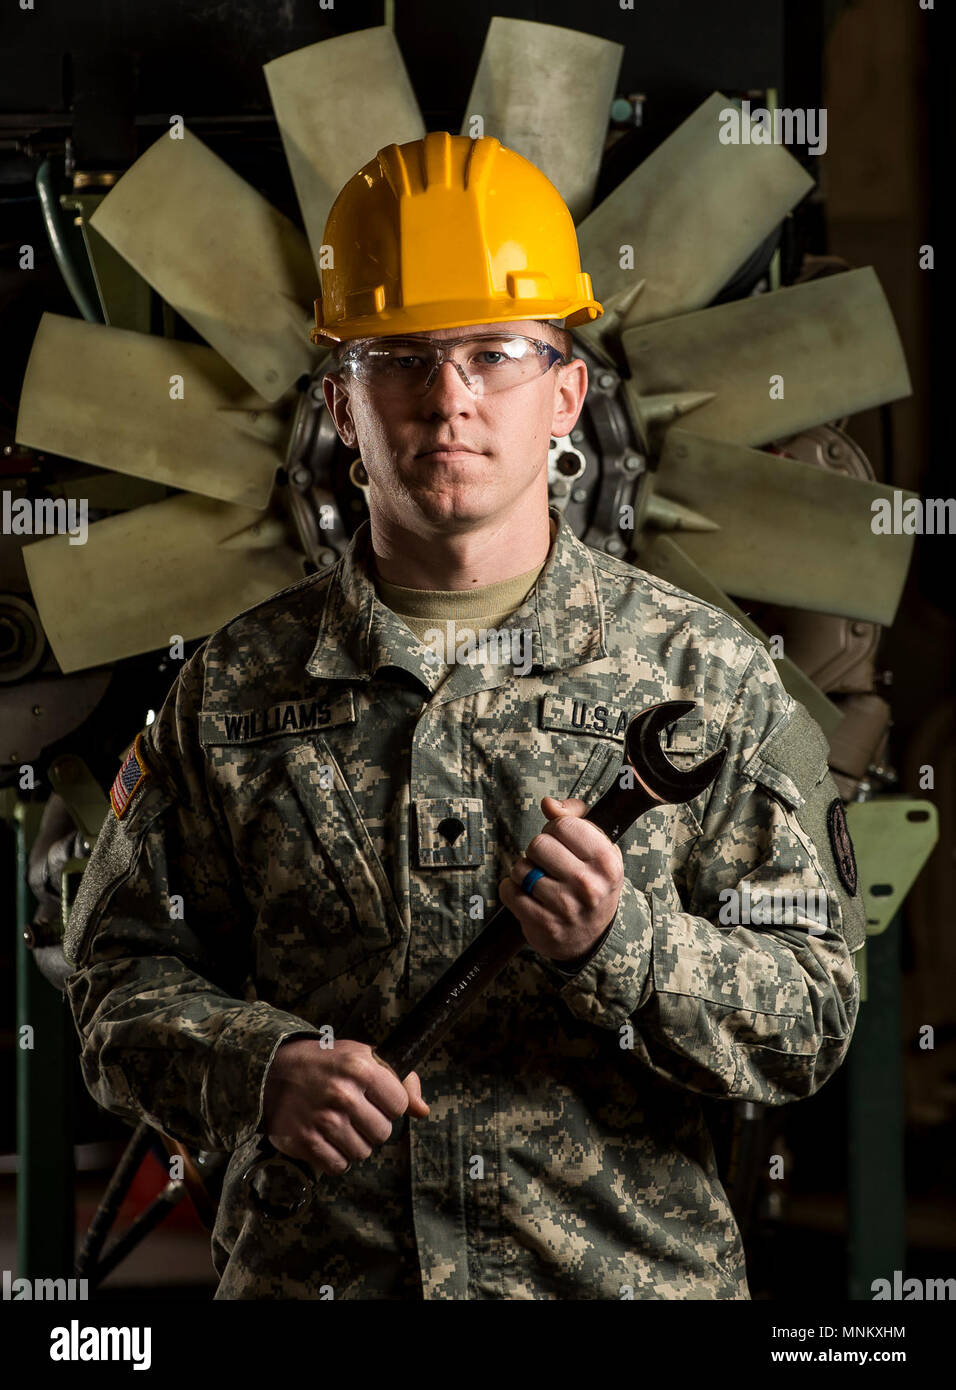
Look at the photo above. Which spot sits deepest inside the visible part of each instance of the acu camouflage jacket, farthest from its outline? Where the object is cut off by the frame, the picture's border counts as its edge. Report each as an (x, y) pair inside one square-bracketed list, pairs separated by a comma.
[(278, 864)]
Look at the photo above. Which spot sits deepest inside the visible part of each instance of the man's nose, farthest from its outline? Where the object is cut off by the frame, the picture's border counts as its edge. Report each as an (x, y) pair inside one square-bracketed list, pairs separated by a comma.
[(448, 388)]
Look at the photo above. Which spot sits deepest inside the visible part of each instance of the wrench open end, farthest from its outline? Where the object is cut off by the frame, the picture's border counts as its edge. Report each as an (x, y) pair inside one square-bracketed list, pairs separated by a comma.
[(642, 749)]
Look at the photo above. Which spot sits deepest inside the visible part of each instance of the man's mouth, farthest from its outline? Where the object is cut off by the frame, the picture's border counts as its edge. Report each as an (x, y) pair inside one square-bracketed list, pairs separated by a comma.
[(446, 451)]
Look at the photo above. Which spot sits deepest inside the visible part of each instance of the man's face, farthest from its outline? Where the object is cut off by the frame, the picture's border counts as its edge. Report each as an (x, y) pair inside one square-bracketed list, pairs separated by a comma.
[(506, 435)]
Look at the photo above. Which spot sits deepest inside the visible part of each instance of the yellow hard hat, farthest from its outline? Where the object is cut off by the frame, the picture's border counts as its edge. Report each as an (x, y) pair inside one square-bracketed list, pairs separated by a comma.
[(445, 232)]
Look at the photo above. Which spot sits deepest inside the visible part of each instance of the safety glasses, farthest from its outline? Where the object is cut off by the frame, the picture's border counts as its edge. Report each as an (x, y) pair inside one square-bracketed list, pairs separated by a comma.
[(486, 363)]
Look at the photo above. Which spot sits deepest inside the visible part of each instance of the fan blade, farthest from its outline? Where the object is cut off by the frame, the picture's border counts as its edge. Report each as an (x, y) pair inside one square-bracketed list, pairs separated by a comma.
[(563, 132), (311, 87), (102, 395), (665, 558), (692, 212), (237, 270), (145, 576), (790, 532), (108, 492), (832, 342)]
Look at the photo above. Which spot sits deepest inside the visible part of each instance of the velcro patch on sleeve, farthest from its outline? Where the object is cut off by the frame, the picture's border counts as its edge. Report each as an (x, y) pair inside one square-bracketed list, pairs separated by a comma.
[(793, 764), (130, 777)]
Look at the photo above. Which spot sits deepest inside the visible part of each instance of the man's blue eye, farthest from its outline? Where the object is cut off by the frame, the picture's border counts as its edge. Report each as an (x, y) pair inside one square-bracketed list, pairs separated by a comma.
[(405, 358)]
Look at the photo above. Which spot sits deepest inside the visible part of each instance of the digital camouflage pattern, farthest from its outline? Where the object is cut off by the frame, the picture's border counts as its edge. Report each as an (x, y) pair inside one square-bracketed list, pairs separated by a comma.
[(303, 769)]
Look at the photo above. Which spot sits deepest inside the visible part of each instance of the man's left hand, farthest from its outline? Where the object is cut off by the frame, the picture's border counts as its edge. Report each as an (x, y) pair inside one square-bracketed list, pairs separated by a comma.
[(566, 912)]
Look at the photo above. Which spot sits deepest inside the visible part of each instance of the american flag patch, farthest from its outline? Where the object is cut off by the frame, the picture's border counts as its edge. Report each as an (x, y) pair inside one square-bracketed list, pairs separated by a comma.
[(133, 771)]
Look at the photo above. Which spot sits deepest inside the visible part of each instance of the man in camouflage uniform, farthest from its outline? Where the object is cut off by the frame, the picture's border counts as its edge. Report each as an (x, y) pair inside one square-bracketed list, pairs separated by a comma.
[(326, 808)]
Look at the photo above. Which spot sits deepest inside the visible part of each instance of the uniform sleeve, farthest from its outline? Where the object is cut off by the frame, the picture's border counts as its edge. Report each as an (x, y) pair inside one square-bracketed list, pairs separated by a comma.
[(760, 1011), (159, 935)]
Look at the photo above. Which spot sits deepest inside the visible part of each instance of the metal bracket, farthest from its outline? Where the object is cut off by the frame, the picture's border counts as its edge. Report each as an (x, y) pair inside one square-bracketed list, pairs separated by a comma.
[(893, 836)]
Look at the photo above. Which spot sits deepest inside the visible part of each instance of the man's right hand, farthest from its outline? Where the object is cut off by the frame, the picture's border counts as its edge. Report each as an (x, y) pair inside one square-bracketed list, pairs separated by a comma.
[(332, 1106)]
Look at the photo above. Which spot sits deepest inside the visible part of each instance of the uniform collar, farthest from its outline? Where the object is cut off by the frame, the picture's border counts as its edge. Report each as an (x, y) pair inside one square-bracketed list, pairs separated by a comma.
[(358, 634)]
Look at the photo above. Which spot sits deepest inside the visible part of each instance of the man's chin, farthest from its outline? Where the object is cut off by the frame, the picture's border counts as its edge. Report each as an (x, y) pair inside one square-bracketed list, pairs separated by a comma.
[(446, 510), (458, 487)]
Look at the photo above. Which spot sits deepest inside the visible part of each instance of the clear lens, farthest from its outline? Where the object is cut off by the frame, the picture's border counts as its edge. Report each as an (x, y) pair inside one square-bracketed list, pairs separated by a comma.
[(492, 362)]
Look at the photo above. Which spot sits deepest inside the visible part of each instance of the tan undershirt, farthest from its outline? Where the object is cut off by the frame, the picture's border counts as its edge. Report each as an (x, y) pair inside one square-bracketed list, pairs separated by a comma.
[(486, 607)]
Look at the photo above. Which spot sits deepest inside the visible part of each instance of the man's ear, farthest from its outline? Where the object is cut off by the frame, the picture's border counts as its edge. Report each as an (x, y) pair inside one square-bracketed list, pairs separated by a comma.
[(337, 400), (569, 397)]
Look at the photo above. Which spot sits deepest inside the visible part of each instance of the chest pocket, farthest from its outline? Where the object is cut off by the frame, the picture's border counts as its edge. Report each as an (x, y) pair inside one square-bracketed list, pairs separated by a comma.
[(324, 904), (605, 726)]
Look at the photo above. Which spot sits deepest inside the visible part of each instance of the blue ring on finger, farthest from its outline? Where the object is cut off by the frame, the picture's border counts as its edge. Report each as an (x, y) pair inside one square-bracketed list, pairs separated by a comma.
[(530, 879)]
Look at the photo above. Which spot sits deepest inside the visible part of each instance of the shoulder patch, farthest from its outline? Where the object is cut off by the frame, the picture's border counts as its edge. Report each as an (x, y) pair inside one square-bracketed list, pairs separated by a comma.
[(842, 845), (130, 777)]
